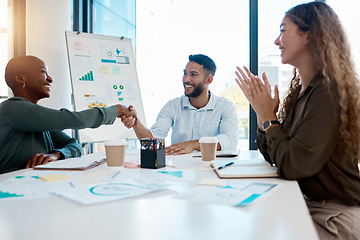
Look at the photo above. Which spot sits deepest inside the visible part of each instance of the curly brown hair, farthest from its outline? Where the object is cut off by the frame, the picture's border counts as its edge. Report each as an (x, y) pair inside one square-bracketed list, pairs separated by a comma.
[(332, 57)]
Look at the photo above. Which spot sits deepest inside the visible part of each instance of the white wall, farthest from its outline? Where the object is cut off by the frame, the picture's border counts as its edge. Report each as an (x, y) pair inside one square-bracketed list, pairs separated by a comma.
[(46, 23)]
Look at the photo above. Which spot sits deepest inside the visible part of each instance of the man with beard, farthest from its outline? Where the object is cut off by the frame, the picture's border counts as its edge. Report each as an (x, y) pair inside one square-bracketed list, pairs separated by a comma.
[(198, 113)]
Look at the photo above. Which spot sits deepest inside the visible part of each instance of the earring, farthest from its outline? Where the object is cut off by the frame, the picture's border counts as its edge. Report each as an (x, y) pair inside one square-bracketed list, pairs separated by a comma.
[(23, 86)]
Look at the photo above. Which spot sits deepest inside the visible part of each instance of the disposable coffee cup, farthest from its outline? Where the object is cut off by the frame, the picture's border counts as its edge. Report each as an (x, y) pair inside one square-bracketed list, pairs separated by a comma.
[(115, 152), (208, 147)]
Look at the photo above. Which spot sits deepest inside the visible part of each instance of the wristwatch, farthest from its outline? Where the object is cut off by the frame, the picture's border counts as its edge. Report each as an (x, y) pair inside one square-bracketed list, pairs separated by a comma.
[(268, 124)]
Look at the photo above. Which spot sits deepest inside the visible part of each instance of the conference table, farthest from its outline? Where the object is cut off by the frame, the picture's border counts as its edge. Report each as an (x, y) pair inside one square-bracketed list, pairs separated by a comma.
[(281, 215)]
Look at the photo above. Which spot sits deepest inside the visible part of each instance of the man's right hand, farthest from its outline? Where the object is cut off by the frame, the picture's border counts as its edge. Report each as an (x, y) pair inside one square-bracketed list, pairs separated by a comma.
[(129, 121)]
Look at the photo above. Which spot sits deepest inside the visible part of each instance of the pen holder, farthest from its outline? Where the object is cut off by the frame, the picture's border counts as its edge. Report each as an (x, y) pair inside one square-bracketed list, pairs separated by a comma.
[(152, 153)]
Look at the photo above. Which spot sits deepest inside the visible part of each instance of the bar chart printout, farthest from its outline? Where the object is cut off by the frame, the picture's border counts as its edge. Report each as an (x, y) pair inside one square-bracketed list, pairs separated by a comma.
[(87, 77)]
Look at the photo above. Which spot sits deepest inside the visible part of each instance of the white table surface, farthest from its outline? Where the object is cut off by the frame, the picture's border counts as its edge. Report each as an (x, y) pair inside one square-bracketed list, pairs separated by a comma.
[(281, 215)]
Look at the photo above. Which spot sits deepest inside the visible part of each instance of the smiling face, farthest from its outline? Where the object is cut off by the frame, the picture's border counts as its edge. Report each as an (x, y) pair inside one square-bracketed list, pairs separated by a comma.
[(28, 78), (37, 82), (194, 79), (292, 43)]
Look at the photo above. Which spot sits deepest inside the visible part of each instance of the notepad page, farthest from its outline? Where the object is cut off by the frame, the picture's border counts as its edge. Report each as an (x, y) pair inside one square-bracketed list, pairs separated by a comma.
[(82, 162), (244, 168), (248, 170)]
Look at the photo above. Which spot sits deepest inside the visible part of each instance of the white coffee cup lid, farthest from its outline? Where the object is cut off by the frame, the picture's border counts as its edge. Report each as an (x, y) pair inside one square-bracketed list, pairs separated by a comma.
[(115, 142), (208, 140)]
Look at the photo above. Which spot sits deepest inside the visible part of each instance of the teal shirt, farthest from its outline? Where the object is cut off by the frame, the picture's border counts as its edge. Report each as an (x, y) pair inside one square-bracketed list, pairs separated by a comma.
[(27, 129)]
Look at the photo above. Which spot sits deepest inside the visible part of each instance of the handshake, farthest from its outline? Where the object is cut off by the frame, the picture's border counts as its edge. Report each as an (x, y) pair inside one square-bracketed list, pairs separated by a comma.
[(128, 115)]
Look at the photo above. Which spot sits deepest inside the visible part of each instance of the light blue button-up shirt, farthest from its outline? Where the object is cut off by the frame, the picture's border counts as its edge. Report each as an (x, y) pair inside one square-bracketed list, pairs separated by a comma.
[(217, 119)]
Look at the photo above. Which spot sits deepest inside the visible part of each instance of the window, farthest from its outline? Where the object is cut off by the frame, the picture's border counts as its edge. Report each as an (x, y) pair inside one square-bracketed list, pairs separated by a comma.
[(4, 49), (349, 16), (168, 31), (165, 32), (115, 18), (270, 17)]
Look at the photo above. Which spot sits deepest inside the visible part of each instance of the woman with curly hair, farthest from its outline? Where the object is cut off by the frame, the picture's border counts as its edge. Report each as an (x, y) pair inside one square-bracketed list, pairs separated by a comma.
[(314, 137)]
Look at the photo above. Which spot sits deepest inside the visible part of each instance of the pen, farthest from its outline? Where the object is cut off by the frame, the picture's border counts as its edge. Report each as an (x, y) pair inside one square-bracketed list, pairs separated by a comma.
[(224, 166), (115, 175)]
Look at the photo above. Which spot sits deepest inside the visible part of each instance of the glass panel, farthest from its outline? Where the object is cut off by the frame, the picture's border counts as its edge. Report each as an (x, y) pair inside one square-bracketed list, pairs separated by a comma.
[(168, 31), (115, 18), (350, 19), (4, 47), (271, 14), (270, 17)]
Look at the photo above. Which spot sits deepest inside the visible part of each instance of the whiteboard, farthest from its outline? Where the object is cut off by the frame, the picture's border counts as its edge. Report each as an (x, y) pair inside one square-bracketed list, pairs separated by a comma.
[(103, 73)]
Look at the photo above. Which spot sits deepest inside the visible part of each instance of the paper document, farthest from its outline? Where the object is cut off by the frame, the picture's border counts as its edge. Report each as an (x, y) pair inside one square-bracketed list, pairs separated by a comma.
[(240, 194), (29, 186), (160, 175), (110, 191)]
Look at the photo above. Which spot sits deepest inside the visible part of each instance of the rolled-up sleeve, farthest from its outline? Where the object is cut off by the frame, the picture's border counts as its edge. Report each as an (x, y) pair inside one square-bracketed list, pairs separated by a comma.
[(164, 122), (229, 128)]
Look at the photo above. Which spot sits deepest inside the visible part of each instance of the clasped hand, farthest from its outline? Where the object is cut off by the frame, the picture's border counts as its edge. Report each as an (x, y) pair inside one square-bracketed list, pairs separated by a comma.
[(258, 94), (129, 121)]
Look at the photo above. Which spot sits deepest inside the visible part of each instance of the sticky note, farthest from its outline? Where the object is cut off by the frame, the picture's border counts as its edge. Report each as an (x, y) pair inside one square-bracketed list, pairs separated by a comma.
[(54, 177), (213, 182), (105, 69), (78, 46)]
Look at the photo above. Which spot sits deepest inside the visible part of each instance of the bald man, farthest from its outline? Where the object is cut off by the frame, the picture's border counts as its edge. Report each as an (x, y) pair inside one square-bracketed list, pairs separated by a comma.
[(31, 134)]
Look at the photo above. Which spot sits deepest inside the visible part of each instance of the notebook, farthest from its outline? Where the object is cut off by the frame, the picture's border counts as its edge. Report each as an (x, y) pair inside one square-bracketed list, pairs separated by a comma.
[(254, 168), (83, 163)]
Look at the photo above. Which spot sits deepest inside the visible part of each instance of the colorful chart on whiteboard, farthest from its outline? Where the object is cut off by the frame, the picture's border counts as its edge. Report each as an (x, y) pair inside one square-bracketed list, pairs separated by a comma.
[(103, 73)]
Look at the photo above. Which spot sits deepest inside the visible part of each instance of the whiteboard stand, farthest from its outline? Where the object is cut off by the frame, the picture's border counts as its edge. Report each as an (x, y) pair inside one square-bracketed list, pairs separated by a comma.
[(88, 147), (103, 73)]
